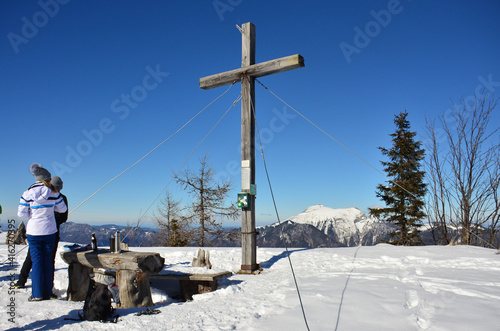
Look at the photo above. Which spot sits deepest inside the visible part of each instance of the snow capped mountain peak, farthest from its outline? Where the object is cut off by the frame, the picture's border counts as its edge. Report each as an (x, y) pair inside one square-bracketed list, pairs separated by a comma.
[(343, 227), (318, 213)]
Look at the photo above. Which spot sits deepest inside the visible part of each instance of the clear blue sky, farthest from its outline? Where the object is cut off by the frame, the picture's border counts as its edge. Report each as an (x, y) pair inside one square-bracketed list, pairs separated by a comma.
[(78, 93)]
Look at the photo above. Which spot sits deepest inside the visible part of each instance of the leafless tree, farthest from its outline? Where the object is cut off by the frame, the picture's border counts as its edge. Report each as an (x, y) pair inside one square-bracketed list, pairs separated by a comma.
[(494, 216), (209, 196), (131, 230), (463, 173), (437, 197)]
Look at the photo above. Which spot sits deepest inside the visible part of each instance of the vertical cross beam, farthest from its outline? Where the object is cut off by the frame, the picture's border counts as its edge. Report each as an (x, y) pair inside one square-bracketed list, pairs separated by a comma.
[(248, 233)]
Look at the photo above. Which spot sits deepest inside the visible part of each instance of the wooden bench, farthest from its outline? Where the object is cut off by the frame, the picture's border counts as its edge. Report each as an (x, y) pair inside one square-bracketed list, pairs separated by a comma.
[(132, 273), (191, 284)]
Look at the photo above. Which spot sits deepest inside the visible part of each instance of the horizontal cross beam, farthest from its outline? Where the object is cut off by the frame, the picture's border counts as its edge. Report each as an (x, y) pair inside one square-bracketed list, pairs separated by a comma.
[(255, 70)]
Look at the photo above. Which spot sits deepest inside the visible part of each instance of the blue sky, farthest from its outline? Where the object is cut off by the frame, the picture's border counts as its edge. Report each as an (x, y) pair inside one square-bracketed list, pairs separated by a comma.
[(89, 87)]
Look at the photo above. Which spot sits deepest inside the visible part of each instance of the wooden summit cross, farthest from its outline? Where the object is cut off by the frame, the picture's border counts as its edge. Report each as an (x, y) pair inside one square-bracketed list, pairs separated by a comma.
[(246, 75)]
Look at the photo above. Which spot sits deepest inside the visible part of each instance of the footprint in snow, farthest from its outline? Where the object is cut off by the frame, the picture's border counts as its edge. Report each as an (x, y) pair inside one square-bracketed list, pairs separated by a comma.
[(424, 316), (412, 299)]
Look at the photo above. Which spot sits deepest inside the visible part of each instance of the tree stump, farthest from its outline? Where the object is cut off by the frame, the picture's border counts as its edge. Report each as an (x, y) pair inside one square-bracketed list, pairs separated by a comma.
[(202, 260)]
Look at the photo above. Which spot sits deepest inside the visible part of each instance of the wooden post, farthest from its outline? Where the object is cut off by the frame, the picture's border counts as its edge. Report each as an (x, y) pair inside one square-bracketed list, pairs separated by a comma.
[(248, 233), (247, 74)]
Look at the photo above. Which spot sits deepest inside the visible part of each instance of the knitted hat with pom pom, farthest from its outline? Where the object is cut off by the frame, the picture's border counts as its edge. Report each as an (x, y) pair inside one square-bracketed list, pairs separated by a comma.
[(57, 182), (40, 173)]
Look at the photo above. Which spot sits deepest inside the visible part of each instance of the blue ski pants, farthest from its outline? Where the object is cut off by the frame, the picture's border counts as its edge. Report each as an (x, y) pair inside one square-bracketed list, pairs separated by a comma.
[(41, 273)]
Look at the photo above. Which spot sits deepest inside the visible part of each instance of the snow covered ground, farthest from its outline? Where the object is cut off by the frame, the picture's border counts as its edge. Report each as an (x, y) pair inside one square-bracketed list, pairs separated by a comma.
[(361, 288)]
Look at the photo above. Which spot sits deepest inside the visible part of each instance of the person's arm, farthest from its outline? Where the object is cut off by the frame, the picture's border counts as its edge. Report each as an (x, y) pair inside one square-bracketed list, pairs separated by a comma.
[(23, 210), (60, 205)]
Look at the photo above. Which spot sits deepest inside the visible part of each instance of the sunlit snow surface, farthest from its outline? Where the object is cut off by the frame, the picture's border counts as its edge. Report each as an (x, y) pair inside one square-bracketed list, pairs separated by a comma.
[(380, 287)]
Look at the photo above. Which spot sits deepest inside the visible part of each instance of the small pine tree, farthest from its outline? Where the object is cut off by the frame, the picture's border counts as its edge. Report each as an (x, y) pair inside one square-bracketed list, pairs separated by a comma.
[(404, 193), (177, 235)]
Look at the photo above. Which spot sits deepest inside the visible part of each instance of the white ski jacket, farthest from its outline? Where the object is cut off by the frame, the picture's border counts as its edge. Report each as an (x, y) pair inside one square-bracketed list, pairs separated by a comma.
[(38, 204)]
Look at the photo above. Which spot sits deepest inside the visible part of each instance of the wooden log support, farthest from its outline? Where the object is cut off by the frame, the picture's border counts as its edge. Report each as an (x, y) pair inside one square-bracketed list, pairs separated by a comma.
[(134, 289), (191, 287), (79, 277), (191, 284)]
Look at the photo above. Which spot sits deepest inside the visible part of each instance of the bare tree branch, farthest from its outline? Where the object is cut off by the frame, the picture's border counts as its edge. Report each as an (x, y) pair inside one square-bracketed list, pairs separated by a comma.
[(208, 198), (463, 175)]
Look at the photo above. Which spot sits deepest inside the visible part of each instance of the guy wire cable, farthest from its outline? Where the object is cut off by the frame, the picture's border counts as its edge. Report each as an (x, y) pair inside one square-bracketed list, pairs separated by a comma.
[(142, 158), (278, 217), (338, 142), (359, 157), (191, 154), (15, 254)]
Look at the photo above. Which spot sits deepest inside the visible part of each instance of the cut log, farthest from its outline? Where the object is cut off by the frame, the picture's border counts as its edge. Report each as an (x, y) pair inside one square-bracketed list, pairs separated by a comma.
[(133, 261)]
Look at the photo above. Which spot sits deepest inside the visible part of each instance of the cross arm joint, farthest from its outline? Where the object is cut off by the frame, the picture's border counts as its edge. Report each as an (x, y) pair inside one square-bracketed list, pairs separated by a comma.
[(255, 70)]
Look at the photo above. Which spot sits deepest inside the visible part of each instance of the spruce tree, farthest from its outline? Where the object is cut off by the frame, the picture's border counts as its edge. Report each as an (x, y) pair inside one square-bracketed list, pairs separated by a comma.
[(404, 193)]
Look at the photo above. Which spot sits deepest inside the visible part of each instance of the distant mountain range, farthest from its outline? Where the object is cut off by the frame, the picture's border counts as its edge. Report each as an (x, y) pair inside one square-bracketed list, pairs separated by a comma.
[(317, 226), (81, 233)]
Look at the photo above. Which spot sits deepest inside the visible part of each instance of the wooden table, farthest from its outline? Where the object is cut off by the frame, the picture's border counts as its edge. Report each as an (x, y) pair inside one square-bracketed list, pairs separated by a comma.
[(132, 273)]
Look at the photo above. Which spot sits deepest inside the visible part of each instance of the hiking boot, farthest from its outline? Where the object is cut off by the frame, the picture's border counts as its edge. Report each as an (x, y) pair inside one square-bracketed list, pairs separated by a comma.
[(51, 297), (19, 285), (31, 299)]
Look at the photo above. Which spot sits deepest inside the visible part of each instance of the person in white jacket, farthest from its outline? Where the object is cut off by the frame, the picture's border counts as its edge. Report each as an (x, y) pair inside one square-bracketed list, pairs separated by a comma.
[(38, 204)]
